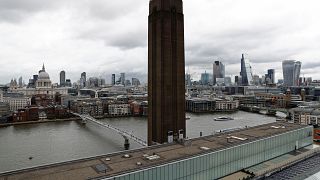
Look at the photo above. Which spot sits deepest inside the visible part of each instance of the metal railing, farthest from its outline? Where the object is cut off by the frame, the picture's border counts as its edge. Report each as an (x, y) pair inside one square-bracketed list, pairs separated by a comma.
[(123, 133)]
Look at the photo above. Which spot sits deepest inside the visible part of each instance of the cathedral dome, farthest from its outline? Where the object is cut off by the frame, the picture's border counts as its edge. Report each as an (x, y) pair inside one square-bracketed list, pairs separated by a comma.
[(43, 75)]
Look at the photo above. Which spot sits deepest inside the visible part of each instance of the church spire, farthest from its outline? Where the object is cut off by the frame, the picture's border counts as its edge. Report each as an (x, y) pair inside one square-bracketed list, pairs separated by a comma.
[(43, 68)]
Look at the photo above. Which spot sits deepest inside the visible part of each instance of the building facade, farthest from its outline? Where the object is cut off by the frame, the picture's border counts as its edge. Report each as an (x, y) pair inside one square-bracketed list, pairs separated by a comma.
[(246, 71), (218, 71), (62, 78), (291, 72), (17, 103)]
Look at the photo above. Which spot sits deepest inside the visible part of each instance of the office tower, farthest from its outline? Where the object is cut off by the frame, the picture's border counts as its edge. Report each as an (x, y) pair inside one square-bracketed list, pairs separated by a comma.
[(271, 76), (188, 80), (20, 82), (166, 71), (122, 78), (291, 72), (68, 83), (246, 71), (204, 78), (218, 71), (236, 80), (256, 80), (62, 78), (135, 82), (84, 79), (113, 79)]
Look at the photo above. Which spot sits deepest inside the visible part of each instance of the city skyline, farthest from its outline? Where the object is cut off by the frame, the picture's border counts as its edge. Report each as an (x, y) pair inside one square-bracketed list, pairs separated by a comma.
[(69, 36)]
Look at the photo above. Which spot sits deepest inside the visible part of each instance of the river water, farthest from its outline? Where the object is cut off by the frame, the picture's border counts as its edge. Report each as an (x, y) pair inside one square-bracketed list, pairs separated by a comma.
[(57, 142)]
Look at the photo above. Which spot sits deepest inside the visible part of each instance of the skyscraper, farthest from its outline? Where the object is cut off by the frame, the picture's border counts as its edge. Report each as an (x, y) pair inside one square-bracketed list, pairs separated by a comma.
[(291, 72), (83, 79), (204, 78), (218, 71), (20, 82), (271, 76), (246, 71), (113, 79), (122, 78), (166, 71), (62, 78)]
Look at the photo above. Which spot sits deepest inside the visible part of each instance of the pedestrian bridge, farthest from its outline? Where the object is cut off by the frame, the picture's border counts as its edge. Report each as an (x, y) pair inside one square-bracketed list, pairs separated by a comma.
[(125, 134)]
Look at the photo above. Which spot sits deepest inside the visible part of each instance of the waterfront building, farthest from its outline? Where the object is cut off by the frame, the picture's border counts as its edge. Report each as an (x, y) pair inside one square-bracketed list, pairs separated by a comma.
[(291, 72), (119, 109), (218, 71), (306, 115), (246, 71), (16, 101), (4, 109), (223, 105), (62, 78), (166, 71), (198, 105)]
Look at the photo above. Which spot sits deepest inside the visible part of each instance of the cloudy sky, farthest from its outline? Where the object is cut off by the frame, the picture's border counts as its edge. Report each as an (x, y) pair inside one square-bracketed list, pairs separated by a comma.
[(102, 37)]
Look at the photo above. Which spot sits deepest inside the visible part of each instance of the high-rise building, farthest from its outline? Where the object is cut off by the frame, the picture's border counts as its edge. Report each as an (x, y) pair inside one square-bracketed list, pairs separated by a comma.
[(236, 80), (166, 71), (135, 82), (113, 79), (246, 71), (188, 80), (204, 78), (84, 79), (291, 72), (122, 78), (62, 78), (271, 76), (20, 82), (218, 71)]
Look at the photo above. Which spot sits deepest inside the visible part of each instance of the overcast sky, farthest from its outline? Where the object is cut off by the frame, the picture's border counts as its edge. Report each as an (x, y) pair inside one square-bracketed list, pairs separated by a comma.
[(102, 37)]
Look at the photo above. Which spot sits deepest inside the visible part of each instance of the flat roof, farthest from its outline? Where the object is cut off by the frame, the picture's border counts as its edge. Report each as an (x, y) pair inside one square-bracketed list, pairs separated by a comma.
[(115, 163)]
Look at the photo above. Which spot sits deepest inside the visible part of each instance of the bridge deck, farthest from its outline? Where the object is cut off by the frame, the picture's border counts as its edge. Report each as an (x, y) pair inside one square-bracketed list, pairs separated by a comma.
[(86, 168)]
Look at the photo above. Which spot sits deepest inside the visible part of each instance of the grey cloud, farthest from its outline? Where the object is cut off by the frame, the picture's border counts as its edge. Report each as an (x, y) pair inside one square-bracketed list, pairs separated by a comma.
[(17, 10), (129, 40)]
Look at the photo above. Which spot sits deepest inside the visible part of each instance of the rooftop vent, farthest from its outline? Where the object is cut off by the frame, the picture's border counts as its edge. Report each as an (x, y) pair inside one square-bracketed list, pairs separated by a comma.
[(153, 157), (237, 138), (204, 148), (278, 127), (126, 156)]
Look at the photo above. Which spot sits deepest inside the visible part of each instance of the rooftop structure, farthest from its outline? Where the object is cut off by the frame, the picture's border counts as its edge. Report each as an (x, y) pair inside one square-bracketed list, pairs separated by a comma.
[(207, 157)]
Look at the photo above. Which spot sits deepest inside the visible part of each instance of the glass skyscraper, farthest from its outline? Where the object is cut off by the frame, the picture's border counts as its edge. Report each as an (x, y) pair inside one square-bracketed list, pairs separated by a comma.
[(246, 71), (291, 72)]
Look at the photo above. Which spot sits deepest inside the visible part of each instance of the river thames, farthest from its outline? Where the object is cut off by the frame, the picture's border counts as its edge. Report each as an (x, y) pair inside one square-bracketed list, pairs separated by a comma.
[(57, 142)]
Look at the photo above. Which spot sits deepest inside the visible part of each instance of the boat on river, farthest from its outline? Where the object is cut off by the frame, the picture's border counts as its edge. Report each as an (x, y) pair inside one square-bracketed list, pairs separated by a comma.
[(223, 119)]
